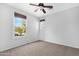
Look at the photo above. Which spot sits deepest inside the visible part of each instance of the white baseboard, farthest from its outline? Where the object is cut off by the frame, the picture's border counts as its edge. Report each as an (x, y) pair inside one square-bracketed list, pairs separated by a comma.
[(19, 45), (73, 46)]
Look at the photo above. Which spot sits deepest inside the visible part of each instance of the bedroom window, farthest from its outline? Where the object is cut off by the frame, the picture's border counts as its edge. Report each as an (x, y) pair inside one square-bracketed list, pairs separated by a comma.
[(20, 24)]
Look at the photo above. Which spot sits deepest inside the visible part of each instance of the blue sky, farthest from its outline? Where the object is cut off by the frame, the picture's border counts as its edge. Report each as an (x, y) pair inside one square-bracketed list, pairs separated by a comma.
[(18, 21)]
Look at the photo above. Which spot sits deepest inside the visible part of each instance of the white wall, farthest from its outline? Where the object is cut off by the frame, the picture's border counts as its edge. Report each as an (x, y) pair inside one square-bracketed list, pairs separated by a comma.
[(42, 30), (7, 38), (63, 27)]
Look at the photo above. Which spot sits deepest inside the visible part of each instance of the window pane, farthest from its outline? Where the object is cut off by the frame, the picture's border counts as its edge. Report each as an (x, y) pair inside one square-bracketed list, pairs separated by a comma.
[(20, 25)]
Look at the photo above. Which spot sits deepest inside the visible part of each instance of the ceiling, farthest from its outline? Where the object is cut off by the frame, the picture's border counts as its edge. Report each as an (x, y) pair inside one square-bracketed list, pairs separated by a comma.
[(57, 7)]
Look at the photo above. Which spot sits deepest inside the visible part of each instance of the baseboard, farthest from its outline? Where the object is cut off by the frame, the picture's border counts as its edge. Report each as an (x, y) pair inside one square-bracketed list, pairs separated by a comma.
[(61, 44), (18, 46)]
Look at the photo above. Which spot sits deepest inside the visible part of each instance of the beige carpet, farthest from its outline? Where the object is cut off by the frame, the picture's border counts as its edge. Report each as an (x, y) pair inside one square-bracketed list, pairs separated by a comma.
[(41, 48)]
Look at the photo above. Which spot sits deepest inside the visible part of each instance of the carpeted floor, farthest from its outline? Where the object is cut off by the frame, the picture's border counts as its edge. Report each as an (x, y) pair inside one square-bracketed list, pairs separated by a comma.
[(41, 48)]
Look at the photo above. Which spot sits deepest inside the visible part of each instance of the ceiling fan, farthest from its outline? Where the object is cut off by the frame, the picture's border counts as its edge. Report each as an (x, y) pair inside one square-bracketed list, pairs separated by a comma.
[(41, 7)]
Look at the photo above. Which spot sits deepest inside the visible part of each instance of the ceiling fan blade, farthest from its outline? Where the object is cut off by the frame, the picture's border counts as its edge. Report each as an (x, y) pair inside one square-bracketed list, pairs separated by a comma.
[(48, 7), (33, 4), (36, 10), (43, 11)]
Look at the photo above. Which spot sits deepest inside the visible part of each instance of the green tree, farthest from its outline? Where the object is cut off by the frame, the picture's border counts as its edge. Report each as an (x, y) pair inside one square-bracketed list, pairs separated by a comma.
[(19, 30)]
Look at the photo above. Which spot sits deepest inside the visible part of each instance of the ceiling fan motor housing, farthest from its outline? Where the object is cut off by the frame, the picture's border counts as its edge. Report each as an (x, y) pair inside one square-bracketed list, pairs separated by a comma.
[(41, 4)]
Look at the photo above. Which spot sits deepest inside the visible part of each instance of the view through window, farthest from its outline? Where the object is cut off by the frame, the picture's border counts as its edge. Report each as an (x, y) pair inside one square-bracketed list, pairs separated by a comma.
[(20, 24)]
